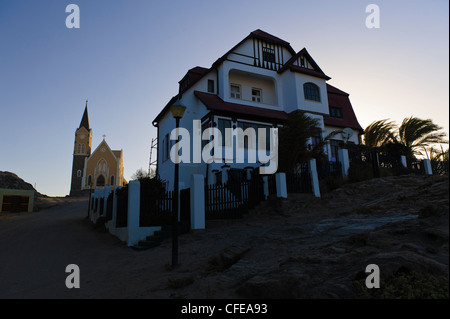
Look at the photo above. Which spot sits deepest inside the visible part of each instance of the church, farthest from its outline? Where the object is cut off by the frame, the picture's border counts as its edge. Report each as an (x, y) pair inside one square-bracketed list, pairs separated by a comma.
[(97, 169)]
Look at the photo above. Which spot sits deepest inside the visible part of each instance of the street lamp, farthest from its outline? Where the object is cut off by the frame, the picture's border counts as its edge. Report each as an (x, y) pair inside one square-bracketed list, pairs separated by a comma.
[(177, 109), (90, 194)]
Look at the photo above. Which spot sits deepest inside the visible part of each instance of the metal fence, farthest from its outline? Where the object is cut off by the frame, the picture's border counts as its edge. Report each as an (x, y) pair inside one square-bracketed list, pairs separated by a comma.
[(300, 181), (232, 199)]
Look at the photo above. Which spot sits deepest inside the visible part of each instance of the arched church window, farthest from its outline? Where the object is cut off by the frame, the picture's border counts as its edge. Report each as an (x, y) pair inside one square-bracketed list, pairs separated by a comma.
[(89, 180), (101, 180)]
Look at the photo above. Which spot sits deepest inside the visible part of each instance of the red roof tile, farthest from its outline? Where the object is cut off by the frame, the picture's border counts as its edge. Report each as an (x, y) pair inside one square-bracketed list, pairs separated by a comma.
[(213, 102), (339, 99), (268, 37)]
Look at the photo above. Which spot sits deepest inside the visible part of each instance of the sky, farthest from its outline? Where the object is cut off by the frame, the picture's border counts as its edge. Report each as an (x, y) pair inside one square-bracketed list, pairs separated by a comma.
[(128, 56)]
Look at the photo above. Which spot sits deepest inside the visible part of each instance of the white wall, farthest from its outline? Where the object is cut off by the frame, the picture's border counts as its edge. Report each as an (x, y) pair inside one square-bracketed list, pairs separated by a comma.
[(307, 105)]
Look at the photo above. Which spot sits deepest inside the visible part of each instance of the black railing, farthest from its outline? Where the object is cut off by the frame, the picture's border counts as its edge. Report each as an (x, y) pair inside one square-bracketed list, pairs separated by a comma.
[(155, 210), (122, 207), (109, 206), (328, 169), (272, 184), (232, 199), (299, 182), (439, 167)]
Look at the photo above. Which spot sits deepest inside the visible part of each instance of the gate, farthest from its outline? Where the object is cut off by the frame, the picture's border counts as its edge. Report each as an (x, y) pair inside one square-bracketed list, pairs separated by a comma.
[(15, 203), (232, 199), (299, 182), (122, 207)]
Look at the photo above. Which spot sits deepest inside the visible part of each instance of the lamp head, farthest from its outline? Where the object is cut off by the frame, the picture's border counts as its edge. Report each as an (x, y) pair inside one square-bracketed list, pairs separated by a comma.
[(177, 109)]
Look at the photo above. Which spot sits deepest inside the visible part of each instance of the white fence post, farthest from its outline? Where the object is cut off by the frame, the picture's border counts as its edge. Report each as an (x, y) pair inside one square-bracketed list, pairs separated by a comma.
[(314, 177), (427, 165), (345, 163), (198, 202), (403, 161), (280, 179), (134, 205)]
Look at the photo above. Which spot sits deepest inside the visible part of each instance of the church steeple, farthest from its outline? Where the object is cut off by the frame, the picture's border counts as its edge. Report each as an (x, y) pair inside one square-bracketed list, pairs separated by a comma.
[(81, 151), (85, 119)]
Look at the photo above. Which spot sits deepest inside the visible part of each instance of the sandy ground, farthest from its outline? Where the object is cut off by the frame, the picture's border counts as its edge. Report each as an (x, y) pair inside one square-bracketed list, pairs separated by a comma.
[(290, 237)]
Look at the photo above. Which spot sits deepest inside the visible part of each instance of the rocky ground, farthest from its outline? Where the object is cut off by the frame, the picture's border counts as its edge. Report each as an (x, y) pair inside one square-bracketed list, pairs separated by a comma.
[(304, 247)]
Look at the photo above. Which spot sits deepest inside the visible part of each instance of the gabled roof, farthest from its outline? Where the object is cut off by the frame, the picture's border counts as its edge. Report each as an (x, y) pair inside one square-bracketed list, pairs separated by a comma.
[(164, 110), (340, 99), (317, 72), (214, 102), (261, 35), (85, 119), (193, 76)]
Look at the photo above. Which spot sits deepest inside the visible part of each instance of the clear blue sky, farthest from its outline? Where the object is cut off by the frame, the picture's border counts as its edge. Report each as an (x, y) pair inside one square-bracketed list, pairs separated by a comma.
[(128, 56)]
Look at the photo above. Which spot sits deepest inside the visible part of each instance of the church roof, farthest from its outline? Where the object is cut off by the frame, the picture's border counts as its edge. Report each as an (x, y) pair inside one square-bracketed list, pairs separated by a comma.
[(85, 119)]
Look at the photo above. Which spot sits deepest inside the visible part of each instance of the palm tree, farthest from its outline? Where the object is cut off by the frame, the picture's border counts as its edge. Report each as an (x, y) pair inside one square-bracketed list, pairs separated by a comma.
[(412, 135), (416, 134), (379, 133), (293, 137)]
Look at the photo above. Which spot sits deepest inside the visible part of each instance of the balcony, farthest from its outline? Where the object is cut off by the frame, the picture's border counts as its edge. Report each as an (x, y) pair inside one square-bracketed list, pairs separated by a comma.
[(252, 89)]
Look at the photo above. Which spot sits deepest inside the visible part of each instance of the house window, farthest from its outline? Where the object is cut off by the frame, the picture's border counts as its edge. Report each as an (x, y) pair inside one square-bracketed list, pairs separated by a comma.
[(316, 139), (112, 180), (256, 95), (222, 125), (210, 86), (79, 173), (235, 91), (166, 146), (249, 144), (334, 147), (302, 62), (268, 54), (336, 112), (205, 126), (311, 92)]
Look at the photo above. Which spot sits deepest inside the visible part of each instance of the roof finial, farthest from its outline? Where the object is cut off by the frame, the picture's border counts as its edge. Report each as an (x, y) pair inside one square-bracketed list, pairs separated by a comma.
[(104, 136), (86, 102)]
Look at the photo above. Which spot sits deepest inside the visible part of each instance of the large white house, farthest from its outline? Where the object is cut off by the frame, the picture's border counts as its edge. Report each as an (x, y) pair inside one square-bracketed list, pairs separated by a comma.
[(255, 84)]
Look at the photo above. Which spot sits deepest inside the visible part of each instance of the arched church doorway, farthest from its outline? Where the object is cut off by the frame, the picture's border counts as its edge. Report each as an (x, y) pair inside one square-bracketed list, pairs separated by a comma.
[(101, 180)]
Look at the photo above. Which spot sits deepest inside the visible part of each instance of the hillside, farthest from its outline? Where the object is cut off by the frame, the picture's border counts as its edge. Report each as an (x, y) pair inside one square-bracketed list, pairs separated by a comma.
[(12, 181), (303, 247)]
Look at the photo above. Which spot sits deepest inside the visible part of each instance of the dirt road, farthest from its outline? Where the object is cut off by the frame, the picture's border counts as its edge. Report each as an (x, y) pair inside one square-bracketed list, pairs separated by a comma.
[(36, 248)]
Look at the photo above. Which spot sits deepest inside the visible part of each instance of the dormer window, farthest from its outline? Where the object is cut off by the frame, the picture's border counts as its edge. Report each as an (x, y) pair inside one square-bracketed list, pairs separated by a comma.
[(311, 92), (184, 84), (336, 112), (235, 90), (256, 95)]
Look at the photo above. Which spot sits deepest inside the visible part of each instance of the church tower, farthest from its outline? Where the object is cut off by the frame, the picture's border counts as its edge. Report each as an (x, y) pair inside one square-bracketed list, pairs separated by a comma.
[(81, 151)]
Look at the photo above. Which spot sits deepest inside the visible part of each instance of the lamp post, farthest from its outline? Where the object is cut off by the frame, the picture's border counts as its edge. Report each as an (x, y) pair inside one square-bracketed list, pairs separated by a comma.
[(177, 109), (90, 193)]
